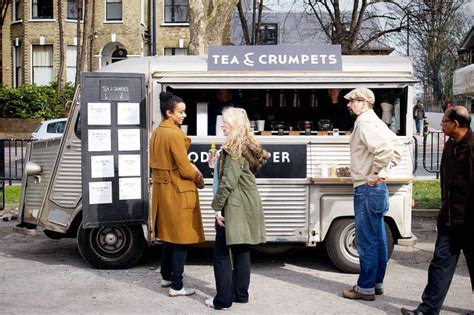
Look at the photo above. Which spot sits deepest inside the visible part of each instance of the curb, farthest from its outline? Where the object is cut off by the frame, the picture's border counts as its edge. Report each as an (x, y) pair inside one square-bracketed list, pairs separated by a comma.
[(425, 212)]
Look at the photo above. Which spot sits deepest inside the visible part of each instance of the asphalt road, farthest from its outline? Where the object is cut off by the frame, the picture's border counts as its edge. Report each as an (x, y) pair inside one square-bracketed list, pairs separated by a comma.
[(39, 275)]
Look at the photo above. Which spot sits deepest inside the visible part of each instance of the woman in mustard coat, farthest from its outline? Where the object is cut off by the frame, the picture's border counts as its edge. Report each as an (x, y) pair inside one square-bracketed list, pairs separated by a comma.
[(176, 215)]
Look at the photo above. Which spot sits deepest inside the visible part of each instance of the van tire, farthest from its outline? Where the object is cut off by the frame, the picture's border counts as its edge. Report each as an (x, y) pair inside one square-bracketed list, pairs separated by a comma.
[(341, 246), (116, 247)]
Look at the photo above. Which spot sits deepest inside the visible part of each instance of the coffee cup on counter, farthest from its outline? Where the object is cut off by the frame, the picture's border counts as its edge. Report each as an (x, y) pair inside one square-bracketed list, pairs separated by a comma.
[(260, 125), (324, 170)]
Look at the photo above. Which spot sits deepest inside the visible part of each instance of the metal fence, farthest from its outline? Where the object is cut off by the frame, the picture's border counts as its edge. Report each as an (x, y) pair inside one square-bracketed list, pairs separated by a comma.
[(433, 145), (12, 154)]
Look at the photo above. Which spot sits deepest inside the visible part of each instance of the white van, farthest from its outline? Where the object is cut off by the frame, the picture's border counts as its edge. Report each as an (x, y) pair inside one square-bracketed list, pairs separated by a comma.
[(306, 193)]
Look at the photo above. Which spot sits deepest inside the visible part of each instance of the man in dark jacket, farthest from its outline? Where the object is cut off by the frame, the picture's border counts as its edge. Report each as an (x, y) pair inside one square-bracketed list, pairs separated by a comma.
[(456, 216)]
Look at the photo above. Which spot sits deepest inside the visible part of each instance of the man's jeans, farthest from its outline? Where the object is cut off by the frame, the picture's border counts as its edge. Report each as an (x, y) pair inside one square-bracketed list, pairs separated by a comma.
[(370, 206), (419, 125)]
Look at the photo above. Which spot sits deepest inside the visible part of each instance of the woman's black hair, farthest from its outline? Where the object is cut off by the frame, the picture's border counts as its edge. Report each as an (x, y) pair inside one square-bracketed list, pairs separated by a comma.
[(168, 101), (456, 114)]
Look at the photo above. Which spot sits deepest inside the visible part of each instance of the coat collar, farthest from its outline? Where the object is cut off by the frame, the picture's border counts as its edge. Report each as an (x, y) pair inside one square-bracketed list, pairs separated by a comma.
[(168, 123)]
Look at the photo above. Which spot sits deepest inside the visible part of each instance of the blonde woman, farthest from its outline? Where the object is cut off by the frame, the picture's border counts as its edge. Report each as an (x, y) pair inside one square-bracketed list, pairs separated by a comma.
[(239, 214)]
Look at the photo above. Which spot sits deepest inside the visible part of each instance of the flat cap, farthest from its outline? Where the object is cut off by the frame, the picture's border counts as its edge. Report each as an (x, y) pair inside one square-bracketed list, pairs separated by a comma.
[(361, 94)]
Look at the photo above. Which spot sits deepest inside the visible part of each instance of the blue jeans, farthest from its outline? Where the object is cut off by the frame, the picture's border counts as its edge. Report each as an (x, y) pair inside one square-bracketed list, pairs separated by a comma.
[(370, 206), (173, 257), (419, 125), (231, 270)]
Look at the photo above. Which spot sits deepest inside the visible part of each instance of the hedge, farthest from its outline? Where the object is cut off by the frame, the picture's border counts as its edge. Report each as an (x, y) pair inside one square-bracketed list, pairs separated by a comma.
[(32, 101)]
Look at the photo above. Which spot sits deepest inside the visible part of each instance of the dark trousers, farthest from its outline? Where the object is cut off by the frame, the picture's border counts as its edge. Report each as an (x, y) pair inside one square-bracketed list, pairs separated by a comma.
[(441, 271), (232, 285), (173, 257)]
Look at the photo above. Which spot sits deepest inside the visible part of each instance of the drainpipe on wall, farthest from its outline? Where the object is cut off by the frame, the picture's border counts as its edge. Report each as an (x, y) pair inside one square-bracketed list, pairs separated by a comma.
[(153, 28)]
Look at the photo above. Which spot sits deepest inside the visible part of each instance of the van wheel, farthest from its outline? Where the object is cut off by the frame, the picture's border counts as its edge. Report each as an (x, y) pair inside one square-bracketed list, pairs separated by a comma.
[(116, 247), (342, 247)]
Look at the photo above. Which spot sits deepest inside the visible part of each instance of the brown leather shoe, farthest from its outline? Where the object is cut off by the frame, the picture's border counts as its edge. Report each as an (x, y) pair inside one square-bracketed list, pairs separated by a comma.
[(379, 291), (354, 295)]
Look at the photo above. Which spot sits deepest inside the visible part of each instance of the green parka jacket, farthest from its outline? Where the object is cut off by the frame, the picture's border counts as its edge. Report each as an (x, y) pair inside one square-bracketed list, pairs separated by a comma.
[(239, 200)]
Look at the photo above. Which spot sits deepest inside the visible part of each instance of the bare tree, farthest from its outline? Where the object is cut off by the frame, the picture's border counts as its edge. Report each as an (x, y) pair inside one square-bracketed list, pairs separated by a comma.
[(357, 28), (437, 29), (59, 78), (251, 37), (209, 23)]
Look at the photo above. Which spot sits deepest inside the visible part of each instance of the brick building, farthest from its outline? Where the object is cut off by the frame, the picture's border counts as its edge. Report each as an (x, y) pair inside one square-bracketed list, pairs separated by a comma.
[(30, 37)]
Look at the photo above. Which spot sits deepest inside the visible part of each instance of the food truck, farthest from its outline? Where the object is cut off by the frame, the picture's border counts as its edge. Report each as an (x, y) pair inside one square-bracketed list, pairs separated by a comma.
[(94, 182)]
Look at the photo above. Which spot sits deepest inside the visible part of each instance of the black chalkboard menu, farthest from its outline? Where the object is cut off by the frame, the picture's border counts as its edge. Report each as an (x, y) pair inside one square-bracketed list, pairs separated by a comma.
[(114, 149)]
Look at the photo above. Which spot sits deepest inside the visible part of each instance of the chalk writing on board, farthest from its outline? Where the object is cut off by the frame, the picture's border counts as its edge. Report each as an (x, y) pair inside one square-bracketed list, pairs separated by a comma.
[(114, 90)]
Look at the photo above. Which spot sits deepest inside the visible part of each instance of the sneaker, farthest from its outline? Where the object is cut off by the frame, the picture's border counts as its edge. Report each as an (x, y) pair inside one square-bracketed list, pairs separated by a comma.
[(354, 295), (183, 292), (210, 302), (165, 283), (379, 291)]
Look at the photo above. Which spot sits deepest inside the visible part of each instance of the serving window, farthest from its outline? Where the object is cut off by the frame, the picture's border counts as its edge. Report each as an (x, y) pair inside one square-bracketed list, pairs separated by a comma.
[(288, 111)]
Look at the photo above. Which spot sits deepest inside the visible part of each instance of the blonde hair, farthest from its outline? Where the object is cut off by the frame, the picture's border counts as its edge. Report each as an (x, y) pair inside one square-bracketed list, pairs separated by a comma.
[(240, 134)]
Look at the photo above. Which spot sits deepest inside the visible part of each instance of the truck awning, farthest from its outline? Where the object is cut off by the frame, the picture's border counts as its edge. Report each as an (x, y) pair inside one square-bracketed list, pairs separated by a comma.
[(276, 82), (463, 81)]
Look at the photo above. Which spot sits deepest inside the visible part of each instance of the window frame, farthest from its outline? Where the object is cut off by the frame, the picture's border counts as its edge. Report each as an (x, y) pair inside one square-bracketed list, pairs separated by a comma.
[(174, 8), (17, 9), (264, 40), (173, 50), (35, 3), (17, 66), (33, 66), (81, 14), (106, 11)]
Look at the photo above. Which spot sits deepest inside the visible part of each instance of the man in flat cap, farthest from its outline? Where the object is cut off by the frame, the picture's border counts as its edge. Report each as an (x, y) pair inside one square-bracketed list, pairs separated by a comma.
[(374, 150)]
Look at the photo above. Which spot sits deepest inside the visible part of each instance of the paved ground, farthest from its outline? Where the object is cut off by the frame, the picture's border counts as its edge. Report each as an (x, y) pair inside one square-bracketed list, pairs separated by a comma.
[(39, 275)]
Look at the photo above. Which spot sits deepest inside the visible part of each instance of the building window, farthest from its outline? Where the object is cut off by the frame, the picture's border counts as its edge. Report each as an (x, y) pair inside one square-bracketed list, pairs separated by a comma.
[(71, 64), (42, 64), (42, 9), (176, 11), (119, 54), (73, 11), (176, 51), (17, 66), (113, 10), (268, 34), (17, 10)]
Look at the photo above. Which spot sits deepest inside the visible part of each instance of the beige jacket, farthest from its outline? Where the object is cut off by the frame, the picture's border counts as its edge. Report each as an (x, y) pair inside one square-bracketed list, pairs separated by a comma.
[(375, 149)]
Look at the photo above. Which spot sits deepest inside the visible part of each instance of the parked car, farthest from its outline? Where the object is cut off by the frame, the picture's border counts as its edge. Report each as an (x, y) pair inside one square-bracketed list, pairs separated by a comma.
[(50, 129)]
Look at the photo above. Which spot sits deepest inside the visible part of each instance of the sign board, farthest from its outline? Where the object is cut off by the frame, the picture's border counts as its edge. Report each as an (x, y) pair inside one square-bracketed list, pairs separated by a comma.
[(114, 149), (275, 58), (286, 161)]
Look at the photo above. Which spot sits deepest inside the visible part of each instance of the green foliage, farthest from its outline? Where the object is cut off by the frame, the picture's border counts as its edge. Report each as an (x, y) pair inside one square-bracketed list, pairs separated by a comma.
[(31, 101), (427, 194), (12, 194)]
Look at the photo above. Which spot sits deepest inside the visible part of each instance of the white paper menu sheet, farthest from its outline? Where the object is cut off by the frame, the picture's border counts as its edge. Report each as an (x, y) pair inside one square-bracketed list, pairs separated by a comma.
[(128, 113), (130, 188), (98, 114), (128, 139), (129, 165), (99, 140), (102, 166), (100, 192)]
